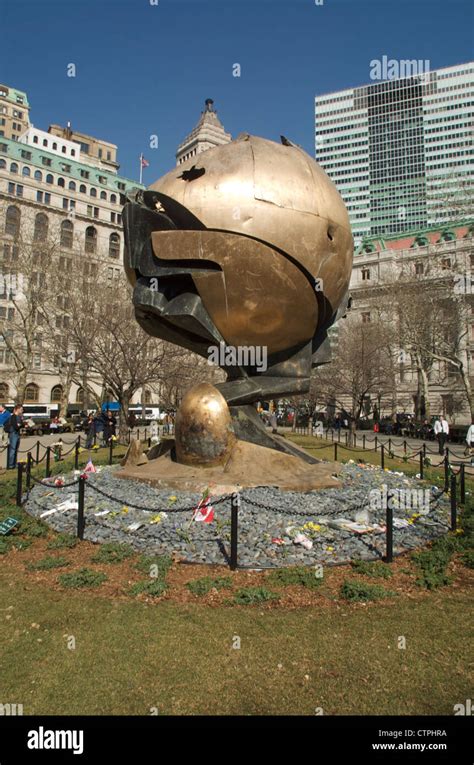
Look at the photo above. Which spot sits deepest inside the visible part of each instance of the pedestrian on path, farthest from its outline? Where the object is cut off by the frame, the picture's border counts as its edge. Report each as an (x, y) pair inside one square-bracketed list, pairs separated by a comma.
[(4, 417), (470, 440), (441, 429), (13, 427)]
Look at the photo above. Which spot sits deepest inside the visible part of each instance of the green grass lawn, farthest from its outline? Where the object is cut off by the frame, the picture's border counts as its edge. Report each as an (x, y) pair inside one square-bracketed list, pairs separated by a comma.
[(130, 657), (308, 650), (324, 449)]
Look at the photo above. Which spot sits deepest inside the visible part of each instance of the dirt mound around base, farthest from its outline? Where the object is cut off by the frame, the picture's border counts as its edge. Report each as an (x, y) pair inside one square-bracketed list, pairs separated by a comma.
[(248, 465)]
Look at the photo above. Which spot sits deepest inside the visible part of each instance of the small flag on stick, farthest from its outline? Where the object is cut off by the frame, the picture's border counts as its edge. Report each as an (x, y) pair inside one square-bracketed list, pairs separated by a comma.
[(204, 512)]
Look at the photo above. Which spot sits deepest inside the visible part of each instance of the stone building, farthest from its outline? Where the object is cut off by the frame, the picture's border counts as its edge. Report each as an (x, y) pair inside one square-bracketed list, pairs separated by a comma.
[(58, 180), (436, 253), (209, 132), (14, 112)]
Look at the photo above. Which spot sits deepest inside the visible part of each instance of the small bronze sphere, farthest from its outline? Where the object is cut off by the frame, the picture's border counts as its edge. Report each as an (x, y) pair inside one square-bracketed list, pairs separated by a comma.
[(203, 432)]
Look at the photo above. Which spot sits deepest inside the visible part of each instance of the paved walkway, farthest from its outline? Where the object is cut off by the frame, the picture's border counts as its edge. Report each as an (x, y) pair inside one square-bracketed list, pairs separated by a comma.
[(28, 443), (456, 451)]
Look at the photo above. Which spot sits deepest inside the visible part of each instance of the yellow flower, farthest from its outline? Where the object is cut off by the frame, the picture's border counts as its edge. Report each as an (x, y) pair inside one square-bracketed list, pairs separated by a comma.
[(156, 519), (172, 499), (310, 526), (124, 509)]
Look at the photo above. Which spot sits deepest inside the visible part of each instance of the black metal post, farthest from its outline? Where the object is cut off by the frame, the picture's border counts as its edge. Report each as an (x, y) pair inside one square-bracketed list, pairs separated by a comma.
[(446, 473), (462, 485), (95, 438), (149, 442), (390, 444), (234, 530), (453, 504), (382, 456), (363, 441), (111, 444), (335, 451), (347, 438), (37, 452), (339, 435), (48, 461), (389, 530), (424, 449), (80, 507), (29, 460), (421, 465), (19, 484), (404, 447), (145, 434), (76, 453), (129, 435), (376, 443)]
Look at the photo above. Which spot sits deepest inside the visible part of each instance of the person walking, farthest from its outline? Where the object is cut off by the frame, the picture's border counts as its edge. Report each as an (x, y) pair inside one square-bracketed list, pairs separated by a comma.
[(4, 417), (441, 429), (470, 440), (13, 427)]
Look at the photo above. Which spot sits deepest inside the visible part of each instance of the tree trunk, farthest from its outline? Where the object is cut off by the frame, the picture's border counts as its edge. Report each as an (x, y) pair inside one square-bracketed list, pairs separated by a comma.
[(64, 401), (21, 385), (426, 392), (468, 388), (123, 416)]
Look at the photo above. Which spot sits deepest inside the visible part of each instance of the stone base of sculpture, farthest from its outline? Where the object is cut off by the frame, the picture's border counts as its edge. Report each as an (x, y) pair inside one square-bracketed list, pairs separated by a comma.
[(207, 451)]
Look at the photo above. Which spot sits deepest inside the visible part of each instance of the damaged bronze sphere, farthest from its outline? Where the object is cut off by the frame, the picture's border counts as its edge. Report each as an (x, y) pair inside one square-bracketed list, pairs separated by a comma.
[(248, 245), (203, 428)]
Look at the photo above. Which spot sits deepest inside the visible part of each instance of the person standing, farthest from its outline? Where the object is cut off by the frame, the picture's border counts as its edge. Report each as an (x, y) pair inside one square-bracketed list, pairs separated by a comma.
[(4, 417), (441, 429), (89, 428), (14, 425), (109, 427), (273, 422)]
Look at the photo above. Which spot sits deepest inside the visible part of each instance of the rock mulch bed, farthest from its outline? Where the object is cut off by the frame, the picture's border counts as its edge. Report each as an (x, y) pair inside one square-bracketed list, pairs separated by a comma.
[(280, 529)]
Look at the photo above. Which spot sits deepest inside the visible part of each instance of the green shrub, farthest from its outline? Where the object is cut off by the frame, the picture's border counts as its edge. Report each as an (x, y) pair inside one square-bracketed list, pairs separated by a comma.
[(153, 587), (373, 569), (299, 575), (31, 527), (15, 541), (432, 564), (62, 540), (156, 566), (205, 585), (249, 595), (468, 559), (45, 564), (112, 552), (83, 577), (355, 591)]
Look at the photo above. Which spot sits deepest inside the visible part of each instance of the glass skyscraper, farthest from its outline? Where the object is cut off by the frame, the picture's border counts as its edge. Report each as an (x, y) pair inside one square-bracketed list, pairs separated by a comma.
[(401, 151)]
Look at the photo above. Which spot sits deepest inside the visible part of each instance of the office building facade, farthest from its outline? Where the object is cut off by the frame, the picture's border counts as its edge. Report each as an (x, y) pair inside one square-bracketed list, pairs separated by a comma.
[(401, 151)]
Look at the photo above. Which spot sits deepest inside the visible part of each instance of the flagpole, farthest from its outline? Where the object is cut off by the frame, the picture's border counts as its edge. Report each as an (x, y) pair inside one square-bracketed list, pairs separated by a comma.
[(141, 168)]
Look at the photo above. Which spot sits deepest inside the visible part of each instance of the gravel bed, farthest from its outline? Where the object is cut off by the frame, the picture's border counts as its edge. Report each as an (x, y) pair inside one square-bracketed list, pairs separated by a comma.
[(268, 536)]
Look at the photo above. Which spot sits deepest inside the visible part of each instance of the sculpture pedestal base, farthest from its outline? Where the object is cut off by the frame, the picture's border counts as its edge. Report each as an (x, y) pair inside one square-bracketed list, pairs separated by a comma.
[(247, 465)]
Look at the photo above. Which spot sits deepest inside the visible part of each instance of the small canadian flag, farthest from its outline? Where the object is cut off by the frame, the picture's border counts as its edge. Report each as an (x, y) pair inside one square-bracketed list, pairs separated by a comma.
[(204, 511)]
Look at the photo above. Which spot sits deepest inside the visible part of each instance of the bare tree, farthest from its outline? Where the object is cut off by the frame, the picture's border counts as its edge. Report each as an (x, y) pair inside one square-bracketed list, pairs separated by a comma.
[(362, 367)]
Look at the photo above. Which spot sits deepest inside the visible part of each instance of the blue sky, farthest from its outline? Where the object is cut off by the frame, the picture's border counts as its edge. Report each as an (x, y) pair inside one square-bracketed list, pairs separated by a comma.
[(146, 69)]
